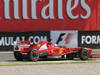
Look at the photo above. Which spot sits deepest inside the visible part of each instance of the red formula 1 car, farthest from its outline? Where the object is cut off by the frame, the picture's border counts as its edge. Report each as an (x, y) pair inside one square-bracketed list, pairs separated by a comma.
[(45, 49)]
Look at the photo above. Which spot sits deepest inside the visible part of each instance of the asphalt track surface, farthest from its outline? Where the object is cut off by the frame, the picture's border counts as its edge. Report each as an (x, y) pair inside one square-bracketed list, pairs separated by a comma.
[(54, 69), (47, 69), (9, 57)]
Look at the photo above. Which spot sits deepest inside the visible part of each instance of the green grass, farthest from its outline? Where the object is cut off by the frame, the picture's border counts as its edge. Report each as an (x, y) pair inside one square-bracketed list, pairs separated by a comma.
[(47, 62)]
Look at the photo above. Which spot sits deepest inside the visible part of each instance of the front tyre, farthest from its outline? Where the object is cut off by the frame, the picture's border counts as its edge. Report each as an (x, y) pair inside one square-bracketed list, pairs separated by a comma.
[(84, 54), (18, 56), (33, 56)]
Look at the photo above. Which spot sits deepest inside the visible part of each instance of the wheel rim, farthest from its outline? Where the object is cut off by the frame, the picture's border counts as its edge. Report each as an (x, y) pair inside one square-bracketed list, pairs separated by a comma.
[(34, 56), (84, 54)]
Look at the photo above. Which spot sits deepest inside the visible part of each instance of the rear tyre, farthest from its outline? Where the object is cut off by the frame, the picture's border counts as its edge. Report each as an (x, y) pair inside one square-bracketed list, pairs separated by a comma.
[(18, 56), (84, 54), (33, 56)]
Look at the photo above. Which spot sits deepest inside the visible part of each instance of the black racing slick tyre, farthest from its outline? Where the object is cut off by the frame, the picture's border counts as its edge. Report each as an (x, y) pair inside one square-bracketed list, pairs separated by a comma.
[(84, 54), (33, 56), (18, 56)]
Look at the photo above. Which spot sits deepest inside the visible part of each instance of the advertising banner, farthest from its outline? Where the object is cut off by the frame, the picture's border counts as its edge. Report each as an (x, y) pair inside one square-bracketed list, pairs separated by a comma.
[(7, 38), (90, 39), (65, 38), (45, 15)]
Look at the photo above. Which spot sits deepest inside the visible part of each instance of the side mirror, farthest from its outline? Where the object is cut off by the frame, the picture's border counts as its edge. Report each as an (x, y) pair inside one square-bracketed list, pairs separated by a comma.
[(55, 45)]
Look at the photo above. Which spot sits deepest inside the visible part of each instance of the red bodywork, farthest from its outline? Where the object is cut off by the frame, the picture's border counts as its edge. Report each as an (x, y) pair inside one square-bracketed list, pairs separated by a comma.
[(45, 46)]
